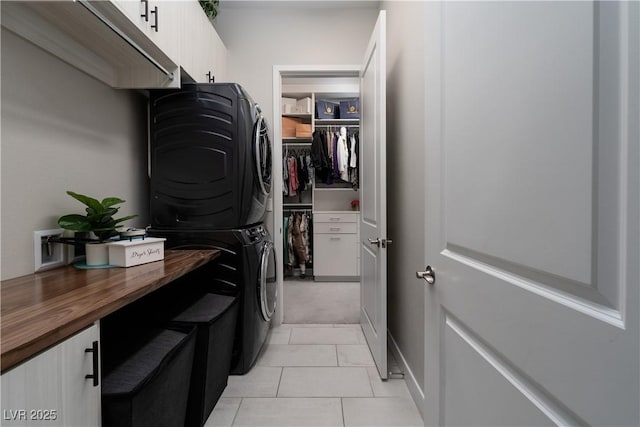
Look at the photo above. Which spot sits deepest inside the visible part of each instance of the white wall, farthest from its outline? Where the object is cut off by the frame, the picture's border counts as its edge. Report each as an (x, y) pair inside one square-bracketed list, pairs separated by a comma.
[(406, 185), (258, 37), (62, 130)]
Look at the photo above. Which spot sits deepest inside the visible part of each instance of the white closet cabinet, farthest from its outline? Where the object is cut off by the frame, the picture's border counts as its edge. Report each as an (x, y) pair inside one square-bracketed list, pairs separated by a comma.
[(335, 245), (335, 249), (52, 389)]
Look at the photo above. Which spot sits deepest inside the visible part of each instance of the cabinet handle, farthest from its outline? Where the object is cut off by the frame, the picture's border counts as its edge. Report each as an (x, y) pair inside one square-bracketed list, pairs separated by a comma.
[(95, 376), (334, 219), (154, 12), (334, 238), (210, 77), (334, 228), (145, 15)]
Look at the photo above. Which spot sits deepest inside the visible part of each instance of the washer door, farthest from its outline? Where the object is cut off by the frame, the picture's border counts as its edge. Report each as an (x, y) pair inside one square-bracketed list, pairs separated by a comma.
[(262, 154), (267, 283)]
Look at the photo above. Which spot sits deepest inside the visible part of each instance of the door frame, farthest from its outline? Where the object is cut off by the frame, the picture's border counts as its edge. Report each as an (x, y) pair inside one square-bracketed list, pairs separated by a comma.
[(280, 71)]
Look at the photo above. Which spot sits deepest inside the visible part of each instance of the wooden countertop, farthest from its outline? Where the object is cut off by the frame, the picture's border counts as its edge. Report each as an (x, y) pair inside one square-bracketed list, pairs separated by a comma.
[(42, 309)]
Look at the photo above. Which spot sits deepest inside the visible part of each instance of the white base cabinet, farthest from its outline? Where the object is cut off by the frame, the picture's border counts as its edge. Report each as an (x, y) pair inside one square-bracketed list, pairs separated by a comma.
[(52, 389), (335, 245)]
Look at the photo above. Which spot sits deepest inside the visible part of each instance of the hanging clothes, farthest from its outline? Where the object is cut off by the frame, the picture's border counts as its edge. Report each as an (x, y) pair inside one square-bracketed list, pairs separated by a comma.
[(343, 155), (285, 176), (320, 156), (336, 170), (300, 242), (353, 160), (293, 176), (297, 243)]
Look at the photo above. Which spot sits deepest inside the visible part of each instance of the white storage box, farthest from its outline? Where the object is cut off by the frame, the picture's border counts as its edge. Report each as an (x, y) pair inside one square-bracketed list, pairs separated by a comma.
[(303, 106), (127, 253), (288, 106)]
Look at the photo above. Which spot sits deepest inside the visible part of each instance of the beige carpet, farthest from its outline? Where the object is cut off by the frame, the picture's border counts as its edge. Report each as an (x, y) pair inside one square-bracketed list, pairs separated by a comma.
[(321, 302)]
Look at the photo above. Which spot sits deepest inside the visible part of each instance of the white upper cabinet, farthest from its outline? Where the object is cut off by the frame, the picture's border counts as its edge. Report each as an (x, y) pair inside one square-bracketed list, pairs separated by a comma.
[(123, 43), (160, 21), (203, 55)]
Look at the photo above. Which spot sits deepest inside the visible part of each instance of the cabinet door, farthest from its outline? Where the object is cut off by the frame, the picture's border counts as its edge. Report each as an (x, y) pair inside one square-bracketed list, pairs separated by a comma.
[(51, 389), (31, 387), (81, 399), (165, 19), (202, 54), (133, 9), (335, 255)]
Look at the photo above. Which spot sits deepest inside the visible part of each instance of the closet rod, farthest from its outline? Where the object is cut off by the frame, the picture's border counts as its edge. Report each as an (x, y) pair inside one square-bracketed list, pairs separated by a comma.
[(296, 205), (297, 210), (337, 126)]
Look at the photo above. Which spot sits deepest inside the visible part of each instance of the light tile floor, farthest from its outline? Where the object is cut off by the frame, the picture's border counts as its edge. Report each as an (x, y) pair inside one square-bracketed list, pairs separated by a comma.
[(315, 375)]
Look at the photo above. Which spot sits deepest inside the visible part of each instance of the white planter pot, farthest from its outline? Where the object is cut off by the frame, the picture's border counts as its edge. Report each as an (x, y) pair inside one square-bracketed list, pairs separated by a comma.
[(97, 253)]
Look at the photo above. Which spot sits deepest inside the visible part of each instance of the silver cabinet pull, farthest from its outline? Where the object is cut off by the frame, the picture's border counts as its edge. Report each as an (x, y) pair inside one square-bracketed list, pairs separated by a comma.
[(428, 275)]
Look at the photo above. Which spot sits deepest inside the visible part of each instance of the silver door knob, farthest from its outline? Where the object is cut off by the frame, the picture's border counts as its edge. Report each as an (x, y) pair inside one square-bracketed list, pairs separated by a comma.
[(428, 275), (376, 242)]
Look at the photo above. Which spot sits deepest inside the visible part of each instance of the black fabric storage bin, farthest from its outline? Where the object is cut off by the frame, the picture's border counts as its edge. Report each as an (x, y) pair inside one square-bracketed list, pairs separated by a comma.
[(150, 385), (215, 318)]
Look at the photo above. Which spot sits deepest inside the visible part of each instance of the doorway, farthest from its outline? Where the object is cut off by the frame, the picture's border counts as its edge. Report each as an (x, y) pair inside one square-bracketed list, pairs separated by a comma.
[(321, 284)]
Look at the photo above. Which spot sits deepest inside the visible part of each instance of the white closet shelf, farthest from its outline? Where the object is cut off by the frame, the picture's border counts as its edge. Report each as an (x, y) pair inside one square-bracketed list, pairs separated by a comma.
[(337, 121), (297, 141), (298, 115)]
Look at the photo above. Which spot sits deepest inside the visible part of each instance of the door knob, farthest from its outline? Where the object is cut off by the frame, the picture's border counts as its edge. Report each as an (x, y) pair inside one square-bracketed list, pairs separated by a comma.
[(376, 242), (428, 275)]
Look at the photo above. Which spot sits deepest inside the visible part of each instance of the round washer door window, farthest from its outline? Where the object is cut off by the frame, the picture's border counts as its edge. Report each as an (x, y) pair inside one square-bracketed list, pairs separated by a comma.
[(262, 155), (268, 286)]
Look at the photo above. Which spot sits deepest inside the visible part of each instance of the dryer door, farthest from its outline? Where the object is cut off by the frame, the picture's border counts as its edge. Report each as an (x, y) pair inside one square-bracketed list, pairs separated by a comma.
[(267, 283), (262, 153)]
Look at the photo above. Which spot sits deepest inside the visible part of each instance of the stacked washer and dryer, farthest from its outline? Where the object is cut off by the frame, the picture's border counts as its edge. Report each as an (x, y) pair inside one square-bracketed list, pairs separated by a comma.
[(210, 169)]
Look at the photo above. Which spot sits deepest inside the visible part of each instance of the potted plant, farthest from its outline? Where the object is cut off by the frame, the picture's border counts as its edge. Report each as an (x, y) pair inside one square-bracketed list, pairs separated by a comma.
[(99, 220), (210, 7), (355, 205)]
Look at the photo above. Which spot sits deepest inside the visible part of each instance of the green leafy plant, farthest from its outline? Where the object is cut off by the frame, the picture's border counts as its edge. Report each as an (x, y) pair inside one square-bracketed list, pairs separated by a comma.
[(210, 7), (99, 218)]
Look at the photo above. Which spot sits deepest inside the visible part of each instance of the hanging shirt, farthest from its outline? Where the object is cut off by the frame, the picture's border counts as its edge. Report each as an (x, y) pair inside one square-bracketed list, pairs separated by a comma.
[(293, 177), (342, 155)]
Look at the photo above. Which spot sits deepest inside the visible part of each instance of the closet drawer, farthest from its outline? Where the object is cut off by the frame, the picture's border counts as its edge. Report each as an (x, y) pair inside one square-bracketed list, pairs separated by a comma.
[(333, 217), (335, 228), (334, 255)]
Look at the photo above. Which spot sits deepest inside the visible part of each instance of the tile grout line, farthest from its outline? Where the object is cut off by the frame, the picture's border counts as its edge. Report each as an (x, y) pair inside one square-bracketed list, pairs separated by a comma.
[(342, 410), (279, 381), (235, 416)]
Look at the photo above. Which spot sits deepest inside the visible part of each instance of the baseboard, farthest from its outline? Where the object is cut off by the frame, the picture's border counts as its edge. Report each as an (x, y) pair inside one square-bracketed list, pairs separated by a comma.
[(414, 388)]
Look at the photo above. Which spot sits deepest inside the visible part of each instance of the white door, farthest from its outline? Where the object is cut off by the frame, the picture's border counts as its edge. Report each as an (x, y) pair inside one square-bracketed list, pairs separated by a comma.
[(373, 204), (532, 223)]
